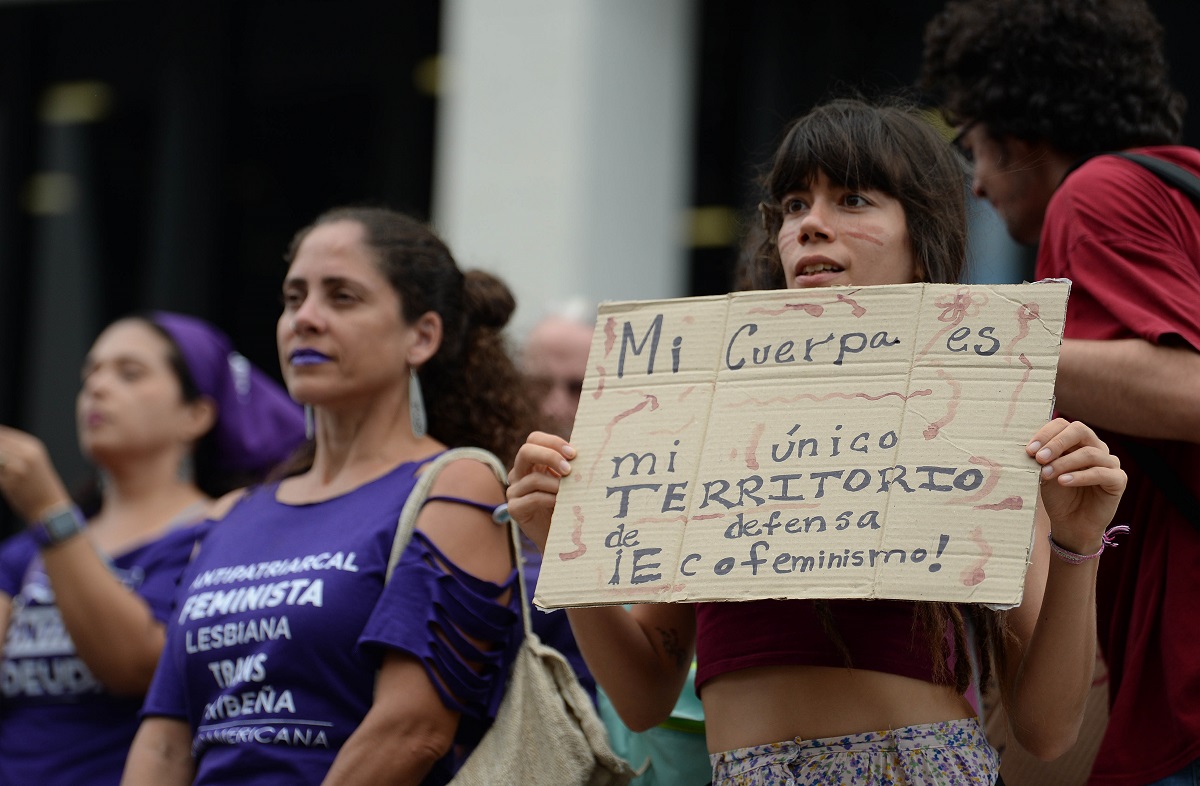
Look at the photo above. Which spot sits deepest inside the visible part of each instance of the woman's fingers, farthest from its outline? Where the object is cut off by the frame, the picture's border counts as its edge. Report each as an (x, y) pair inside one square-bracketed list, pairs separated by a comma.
[(1111, 480), (1079, 459), (27, 478), (1059, 437), (542, 452), (1082, 482), (1073, 454), (526, 509), (534, 482)]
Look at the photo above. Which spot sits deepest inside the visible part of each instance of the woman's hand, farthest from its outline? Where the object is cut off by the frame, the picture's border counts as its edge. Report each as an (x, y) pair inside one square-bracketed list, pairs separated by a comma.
[(27, 478), (533, 483), (1051, 654), (1081, 483)]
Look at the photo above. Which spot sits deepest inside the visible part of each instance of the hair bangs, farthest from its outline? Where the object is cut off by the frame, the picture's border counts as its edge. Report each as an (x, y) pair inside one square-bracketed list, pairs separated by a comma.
[(849, 146)]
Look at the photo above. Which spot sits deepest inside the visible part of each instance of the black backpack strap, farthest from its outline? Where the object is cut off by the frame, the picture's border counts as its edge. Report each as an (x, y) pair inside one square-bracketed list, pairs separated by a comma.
[(1169, 173), (1176, 176)]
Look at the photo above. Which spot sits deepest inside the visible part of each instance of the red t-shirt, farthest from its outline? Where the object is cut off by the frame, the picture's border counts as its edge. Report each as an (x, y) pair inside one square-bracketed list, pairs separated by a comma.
[(1131, 245)]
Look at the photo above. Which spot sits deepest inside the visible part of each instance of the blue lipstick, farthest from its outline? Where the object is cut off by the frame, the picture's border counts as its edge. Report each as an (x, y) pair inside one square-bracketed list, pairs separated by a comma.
[(308, 357)]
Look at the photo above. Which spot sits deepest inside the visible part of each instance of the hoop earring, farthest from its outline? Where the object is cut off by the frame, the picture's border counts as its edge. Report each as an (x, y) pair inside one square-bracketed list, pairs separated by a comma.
[(310, 422), (416, 406)]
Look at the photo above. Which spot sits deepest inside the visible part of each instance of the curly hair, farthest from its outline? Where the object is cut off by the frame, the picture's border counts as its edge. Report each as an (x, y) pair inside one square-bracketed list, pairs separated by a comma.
[(474, 394), (1086, 76), (889, 147)]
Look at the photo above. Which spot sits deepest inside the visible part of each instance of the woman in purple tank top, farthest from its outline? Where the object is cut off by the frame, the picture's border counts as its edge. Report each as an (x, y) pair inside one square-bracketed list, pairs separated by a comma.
[(860, 195), (171, 416), (289, 659)]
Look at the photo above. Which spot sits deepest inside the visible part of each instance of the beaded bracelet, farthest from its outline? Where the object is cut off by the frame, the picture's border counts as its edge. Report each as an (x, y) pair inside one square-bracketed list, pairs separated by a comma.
[(1106, 540)]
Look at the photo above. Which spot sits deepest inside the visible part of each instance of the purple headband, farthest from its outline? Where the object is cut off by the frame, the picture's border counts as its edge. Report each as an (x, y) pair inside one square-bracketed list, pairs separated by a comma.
[(258, 425)]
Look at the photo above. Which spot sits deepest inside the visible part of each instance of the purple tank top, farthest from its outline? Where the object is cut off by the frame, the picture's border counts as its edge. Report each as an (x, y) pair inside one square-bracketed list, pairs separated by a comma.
[(282, 622)]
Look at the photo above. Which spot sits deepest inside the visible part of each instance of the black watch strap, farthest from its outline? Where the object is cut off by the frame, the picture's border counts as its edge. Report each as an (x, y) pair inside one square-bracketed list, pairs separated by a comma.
[(57, 526)]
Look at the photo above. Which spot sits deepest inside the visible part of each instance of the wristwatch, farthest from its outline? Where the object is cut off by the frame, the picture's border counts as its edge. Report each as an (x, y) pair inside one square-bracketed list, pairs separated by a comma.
[(59, 525)]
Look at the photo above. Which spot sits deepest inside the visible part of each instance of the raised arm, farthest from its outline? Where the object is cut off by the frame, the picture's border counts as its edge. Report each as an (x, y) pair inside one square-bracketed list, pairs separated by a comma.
[(1050, 660), (114, 632), (640, 657), (1131, 386)]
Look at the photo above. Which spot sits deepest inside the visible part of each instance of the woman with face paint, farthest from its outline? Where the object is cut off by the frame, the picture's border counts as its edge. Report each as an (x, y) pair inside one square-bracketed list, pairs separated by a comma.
[(851, 691), (170, 416)]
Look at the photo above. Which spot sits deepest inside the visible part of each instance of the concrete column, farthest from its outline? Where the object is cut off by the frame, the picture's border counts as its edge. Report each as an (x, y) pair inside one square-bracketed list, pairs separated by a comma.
[(65, 284), (564, 145)]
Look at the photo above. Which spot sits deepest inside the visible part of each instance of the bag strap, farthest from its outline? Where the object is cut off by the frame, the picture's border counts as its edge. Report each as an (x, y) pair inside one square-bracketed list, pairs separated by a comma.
[(1169, 173), (416, 500), (1162, 474), (526, 609)]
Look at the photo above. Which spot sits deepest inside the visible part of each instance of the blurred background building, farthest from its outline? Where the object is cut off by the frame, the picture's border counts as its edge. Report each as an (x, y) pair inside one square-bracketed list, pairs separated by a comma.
[(161, 154)]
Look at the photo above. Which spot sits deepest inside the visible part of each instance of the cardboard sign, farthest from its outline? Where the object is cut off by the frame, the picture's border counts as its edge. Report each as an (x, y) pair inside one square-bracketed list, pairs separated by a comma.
[(821, 443)]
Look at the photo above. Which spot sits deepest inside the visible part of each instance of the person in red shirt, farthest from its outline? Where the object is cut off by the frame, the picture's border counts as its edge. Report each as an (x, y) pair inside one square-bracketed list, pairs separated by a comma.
[(1040, 91)]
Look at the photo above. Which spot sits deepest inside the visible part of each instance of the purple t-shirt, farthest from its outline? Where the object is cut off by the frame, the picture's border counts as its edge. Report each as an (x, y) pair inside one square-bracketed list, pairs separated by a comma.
[(58, 725), (282, 621)]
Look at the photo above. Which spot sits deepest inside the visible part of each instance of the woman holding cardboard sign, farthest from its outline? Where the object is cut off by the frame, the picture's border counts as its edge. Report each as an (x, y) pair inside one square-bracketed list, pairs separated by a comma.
[(808, 692)]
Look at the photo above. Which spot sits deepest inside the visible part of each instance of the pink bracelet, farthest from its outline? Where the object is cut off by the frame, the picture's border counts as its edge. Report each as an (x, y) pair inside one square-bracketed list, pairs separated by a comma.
[(1106, 540)]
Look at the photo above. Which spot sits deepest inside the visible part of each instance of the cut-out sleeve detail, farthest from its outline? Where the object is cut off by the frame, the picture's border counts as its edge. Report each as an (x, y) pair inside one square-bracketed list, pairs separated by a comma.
[(484, 506), (453, 623)]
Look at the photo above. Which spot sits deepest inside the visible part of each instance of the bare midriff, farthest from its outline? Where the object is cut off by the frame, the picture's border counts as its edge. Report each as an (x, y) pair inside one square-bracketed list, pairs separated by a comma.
[(775, 703)]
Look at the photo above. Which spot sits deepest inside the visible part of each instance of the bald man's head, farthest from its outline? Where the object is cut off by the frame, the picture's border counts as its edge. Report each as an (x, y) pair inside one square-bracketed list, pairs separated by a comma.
[(555, 361)]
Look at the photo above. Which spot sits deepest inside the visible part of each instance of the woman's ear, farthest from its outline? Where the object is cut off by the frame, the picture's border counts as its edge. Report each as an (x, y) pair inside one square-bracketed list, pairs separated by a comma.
[(199, 418), (426, 338)]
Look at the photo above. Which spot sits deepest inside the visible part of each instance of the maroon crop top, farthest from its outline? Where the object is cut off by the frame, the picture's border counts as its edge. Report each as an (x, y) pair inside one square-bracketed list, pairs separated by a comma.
[(881, 635)]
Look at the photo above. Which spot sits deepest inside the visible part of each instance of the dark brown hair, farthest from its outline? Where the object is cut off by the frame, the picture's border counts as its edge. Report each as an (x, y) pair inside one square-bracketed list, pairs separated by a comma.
[(472, 390), (892, 148), (889, 147)]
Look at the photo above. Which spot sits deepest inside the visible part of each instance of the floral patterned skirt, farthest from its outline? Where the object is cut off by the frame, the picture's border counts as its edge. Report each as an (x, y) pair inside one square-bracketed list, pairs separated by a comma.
[(932, 754)]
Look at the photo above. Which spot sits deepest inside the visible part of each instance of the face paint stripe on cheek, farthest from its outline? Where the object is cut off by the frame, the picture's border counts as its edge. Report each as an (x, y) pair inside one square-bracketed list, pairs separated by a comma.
[(870, 238)]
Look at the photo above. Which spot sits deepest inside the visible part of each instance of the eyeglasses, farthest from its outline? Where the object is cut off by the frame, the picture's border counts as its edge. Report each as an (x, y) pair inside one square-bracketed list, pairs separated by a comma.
[(957, 141)]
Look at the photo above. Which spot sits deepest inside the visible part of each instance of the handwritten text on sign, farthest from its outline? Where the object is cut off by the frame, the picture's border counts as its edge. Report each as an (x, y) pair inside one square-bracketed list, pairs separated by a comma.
[(829, 443)]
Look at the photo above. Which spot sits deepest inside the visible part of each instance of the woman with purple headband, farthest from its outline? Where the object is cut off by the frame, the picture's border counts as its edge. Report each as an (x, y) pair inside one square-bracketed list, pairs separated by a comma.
[(171, 416)]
